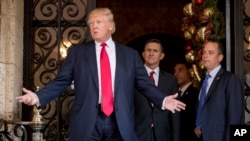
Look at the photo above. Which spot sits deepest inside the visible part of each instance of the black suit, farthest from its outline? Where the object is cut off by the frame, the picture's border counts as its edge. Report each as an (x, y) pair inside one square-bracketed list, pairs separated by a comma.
[(166, 124), (188, 116)]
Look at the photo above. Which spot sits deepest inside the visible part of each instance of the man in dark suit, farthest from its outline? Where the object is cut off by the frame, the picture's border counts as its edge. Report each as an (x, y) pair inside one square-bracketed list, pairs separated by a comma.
[(223, 101), (189, 95), (152, 123), (91, 119)]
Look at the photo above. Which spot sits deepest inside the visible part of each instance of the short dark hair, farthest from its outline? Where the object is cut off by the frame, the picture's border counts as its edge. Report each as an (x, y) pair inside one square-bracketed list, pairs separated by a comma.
[(185, 63), (220, 46), (154, 41)]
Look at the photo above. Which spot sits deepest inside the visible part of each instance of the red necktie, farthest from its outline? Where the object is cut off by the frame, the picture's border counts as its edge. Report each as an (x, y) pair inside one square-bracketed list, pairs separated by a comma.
[(107, 96), (151, 76)]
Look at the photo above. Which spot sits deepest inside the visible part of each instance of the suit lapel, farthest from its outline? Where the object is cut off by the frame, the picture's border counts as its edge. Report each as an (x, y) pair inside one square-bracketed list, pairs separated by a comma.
[(91, 56), (120, 57), (161, 83), (214, 83), (186, 92)]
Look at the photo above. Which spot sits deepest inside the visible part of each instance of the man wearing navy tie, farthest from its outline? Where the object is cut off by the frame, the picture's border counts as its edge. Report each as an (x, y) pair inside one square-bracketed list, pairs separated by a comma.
[(223, 100), (100, 68)]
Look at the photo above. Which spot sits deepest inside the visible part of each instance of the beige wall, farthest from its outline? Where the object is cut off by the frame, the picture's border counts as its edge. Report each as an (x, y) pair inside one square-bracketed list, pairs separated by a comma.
[(11, 57)]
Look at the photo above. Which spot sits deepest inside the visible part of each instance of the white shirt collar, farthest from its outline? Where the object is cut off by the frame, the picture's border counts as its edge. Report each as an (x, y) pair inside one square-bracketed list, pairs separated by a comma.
[(214, 72), (156, 70), (184, 88), (109, 42)]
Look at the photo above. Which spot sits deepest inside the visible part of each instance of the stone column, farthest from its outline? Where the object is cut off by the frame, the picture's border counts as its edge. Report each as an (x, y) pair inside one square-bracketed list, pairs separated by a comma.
[(11, 57)]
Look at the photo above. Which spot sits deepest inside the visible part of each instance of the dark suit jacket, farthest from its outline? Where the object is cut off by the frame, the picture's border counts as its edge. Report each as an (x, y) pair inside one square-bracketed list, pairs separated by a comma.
[(188, 116), (81, 66), (223, 106), (166, 124)]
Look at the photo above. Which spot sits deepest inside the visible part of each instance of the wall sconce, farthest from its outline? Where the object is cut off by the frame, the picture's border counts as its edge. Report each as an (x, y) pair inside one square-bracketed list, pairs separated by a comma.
[(64, 49)]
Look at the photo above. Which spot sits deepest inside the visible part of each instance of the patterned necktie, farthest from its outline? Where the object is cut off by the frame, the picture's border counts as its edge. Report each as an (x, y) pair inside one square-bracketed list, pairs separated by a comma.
[(151, 76), (202, 100), (107, 95)]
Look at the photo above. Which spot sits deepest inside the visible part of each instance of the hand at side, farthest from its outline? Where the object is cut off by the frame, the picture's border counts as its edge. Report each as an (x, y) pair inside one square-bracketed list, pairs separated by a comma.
[(197, 132)]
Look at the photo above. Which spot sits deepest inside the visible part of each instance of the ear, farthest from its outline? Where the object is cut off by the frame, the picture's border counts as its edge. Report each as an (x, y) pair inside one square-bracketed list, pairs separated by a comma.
[(143, 54), (162, 55), (111, 27), (220, 57)]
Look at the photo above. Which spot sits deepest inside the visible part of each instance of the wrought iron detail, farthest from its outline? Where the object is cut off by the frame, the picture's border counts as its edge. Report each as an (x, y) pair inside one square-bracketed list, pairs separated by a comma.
[(246, 28), (247, 55), (51, 28), (18, 130)]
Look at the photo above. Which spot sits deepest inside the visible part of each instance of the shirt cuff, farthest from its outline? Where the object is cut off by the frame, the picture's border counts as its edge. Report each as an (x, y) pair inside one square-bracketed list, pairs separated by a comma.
[(162, 107)]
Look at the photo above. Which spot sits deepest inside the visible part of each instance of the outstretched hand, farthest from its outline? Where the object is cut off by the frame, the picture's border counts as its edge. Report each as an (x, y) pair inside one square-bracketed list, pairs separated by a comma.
[(173, 105), (29, 97)]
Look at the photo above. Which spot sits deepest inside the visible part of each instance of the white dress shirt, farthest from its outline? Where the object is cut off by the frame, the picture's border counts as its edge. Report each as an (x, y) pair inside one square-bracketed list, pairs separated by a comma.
[(212, 74), (156, 73)]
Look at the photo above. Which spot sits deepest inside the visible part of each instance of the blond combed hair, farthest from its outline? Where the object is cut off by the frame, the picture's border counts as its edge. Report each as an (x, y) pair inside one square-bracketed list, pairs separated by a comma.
[(107, 12)]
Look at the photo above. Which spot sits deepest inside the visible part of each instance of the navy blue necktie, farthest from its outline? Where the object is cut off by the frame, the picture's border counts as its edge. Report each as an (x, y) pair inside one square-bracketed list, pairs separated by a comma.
[(202, 100)]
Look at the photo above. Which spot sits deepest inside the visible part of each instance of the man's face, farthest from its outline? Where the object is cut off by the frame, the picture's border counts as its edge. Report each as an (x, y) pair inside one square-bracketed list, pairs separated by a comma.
[(100, 27), (211, 57), (182, 74), (152, 54)]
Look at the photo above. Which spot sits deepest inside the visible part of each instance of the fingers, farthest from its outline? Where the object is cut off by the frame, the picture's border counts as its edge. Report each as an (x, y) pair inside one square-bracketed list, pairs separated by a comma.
[(28, 98), (172, 111), (25, 90), (178, 105), (177, 109), (19, 98), (181, 105), (24, 99), (173, 104), (197, 132)]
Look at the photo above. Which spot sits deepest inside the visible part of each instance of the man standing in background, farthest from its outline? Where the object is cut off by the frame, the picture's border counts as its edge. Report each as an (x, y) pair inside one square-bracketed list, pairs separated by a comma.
[(187, 94), (221, 97), (152, 123)]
